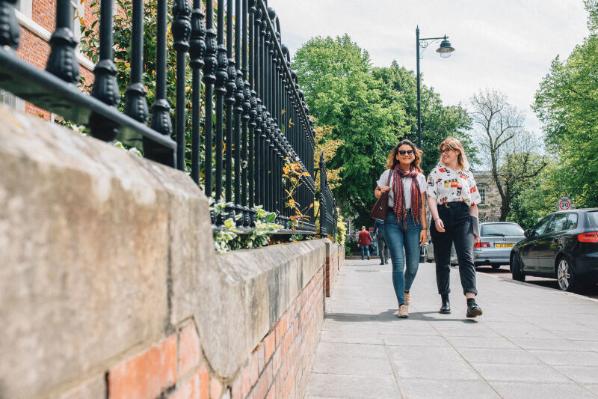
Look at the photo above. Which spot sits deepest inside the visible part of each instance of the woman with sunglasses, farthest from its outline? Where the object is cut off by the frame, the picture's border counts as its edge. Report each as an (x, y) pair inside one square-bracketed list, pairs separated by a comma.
[(405, 224), (453, 198)]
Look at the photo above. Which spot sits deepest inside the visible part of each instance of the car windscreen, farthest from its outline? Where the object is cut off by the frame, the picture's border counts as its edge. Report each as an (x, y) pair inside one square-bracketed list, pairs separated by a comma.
[(592, 219), (501, 230)]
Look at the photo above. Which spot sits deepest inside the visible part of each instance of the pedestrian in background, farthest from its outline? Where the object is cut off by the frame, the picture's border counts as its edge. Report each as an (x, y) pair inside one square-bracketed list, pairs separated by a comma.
[(382, 246), (364, 242), (405, 224), (453, 197)]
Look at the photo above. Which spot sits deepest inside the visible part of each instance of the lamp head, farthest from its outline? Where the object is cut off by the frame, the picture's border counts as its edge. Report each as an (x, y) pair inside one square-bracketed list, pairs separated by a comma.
[(445, 48)]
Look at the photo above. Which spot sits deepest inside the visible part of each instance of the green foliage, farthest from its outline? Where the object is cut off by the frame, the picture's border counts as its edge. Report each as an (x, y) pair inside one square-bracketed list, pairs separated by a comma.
[(438, 121), (366, 111), (567, 104), (122, 43), (228, 237), (341, 230), (592, 8), (538, 199), (342, 93)]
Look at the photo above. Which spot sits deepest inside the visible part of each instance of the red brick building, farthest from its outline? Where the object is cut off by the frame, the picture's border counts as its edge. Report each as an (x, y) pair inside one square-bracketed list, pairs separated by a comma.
[(37, 20)]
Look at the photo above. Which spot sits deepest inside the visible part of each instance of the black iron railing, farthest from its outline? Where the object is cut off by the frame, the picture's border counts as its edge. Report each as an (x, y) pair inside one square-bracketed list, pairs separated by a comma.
[(247, 122)]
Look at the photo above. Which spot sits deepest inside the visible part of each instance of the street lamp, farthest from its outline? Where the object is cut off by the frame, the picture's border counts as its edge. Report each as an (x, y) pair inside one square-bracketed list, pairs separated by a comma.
[(444, 50)]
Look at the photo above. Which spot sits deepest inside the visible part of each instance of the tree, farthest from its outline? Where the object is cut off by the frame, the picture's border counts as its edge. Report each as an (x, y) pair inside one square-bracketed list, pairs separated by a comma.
[(365, 111), (505, 145), (537, 199), (345, 101), (438, 121), (567, 104)]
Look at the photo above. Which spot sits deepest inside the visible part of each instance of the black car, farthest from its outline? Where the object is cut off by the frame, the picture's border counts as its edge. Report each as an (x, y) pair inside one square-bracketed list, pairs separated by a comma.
[(563, 245)]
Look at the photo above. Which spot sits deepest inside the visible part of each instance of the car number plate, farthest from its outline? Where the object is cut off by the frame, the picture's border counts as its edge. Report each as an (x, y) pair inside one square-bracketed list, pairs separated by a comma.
[(503, 245)]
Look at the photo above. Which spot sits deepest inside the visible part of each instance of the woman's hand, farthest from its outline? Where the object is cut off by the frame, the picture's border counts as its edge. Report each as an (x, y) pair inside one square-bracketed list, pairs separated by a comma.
[(423, 237), (379, 190), (439, 225)]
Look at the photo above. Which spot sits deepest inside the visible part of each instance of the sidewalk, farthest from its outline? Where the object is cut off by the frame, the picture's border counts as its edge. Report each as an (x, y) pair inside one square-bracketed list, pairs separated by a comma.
[(531, 342)]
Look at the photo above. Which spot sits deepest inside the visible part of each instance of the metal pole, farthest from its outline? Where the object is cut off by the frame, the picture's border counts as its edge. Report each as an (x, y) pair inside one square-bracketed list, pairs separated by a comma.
[(419, 120)]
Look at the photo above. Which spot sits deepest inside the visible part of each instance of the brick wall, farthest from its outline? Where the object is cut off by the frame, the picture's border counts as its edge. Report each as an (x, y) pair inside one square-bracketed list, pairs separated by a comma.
[(174, 367), (278, 367)]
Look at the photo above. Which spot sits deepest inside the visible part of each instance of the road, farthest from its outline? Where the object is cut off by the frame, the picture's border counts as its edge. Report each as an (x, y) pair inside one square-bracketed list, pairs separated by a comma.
[(504, 274)]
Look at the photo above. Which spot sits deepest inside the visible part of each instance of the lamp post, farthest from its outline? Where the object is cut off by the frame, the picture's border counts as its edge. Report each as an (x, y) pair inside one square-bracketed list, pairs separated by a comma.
[(444, 50)]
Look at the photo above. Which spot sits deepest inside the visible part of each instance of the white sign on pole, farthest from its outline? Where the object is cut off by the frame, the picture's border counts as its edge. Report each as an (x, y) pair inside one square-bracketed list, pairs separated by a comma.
[(564, 203)]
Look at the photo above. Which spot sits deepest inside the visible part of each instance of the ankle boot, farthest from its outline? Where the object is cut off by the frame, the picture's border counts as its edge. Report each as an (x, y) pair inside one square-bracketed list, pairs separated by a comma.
[(473, 309), (446, 306)]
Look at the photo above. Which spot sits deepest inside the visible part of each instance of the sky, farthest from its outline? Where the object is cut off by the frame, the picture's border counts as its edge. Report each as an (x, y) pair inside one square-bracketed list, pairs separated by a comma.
[(499, 44)]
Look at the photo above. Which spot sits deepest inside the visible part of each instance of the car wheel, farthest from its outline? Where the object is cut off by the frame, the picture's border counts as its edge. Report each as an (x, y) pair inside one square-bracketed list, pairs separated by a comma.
[(517, 268), (565, 275)]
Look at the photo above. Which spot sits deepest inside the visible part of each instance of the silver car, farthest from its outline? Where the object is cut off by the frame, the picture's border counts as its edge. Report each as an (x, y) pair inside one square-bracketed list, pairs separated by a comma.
[(495, 243), (427, 254)]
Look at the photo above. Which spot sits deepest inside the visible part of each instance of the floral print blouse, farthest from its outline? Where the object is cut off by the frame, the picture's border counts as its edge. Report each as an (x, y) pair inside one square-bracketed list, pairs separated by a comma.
[(450, 185)]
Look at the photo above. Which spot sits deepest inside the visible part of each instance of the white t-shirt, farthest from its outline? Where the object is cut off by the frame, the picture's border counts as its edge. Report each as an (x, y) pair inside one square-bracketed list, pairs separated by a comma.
[(448, 185), (421, 180)]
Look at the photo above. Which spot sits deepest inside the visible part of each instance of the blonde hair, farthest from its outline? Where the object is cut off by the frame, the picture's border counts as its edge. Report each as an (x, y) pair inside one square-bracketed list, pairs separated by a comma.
[(452, 143), (391, 161)]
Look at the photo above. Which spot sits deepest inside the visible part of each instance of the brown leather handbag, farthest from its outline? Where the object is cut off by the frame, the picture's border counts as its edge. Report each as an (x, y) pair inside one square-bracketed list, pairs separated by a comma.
[(380, 208)]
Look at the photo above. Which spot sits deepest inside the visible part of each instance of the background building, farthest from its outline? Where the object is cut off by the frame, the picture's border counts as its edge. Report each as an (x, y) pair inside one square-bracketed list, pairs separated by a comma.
[(490, 205), (37, 19)]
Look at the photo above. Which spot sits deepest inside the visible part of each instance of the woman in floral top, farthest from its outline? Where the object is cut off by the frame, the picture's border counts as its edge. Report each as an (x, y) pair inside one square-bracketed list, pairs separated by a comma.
[(453, 198)]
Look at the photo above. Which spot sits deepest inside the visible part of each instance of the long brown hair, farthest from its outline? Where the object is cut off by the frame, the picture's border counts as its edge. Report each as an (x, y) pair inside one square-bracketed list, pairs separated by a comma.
[(392, 161), (452, 143)]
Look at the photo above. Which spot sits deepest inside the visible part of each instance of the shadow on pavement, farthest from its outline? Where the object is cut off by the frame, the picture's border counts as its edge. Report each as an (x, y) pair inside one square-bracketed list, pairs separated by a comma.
[(423, 316), (389, 316), (360, 317)]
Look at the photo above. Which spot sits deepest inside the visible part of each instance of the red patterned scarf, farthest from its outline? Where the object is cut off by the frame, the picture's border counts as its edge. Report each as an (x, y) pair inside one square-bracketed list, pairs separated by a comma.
[(397, 188)]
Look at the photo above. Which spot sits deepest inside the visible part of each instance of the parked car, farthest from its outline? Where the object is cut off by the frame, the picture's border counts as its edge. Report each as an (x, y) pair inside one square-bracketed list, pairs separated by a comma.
[(563, 245), (427, 253), (494, 245)]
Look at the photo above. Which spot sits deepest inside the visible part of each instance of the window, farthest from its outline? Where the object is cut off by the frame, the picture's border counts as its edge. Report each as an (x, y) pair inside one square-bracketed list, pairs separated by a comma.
[(24, 7), (593, 219), (557, 224), (8, 99), (501, 230), (571, 221), (78, 13), (541, 227), (482, 190)]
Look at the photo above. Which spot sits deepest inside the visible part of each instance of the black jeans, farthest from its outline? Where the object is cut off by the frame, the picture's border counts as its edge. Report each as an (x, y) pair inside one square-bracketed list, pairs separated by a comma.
[(382, 248), (457, 224)]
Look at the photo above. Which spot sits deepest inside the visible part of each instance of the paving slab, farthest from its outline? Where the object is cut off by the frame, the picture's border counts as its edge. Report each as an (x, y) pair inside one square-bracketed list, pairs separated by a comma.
[(531, 342), (350, 386), (532, 390), (446, 389)]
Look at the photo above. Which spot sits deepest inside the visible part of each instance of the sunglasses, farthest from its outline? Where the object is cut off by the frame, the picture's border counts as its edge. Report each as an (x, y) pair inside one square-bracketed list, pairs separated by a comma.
[(407, 152), (447, 150)]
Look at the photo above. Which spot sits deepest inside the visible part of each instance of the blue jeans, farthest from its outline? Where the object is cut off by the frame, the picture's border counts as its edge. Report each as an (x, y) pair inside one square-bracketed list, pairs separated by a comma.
[(403, 242), (365, 251)]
